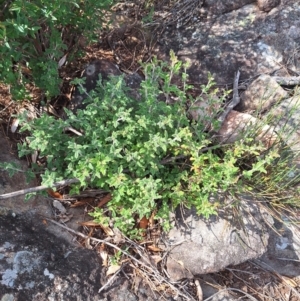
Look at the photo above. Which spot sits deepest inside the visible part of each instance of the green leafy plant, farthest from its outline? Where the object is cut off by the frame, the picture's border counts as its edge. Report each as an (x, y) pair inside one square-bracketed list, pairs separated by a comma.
[(147, 153), (36, 34)]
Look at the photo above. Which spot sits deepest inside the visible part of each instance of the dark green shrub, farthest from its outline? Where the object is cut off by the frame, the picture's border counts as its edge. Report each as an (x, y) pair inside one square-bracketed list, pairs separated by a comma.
[(35, 35)]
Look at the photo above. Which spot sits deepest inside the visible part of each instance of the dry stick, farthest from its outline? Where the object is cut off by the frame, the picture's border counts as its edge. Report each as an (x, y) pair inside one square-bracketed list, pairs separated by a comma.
[(37, 188), (69, 128), (154, 273), (199, 290), (107, 284), (267, 267), (235, 98)]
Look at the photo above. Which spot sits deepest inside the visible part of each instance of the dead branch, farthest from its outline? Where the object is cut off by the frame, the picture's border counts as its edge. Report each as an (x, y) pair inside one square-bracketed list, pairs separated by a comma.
[(110, 281), (199, 290), (37, 188)]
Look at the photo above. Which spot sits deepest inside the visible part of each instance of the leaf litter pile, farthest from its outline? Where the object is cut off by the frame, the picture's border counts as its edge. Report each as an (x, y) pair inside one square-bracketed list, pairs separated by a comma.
[(144, 258)]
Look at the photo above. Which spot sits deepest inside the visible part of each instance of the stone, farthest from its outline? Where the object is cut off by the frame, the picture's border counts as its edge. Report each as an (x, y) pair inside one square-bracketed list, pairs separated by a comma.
[(236, 35), (105, 69), (212, 293), (91, 75), (283, 251), (205, 110), (261, 94), (204, 247), (236, 124), (286, 121), (267, 5), (37, 265)]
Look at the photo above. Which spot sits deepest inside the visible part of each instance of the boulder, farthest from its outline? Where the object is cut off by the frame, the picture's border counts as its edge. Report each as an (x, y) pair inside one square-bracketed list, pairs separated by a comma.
[(283, 251), (261, 94), (205, 109), (286, 121), (222, 37), (105, 69), (237, 124), (202, 247), (36, 265)]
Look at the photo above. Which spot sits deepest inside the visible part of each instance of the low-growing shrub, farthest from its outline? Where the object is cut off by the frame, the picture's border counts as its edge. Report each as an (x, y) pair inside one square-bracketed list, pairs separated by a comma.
[(147, 153), (36, 34)]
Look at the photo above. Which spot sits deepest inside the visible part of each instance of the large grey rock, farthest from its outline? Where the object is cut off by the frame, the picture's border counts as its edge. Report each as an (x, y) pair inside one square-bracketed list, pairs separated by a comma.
[(254, 37), (36, 265), (204, 247)]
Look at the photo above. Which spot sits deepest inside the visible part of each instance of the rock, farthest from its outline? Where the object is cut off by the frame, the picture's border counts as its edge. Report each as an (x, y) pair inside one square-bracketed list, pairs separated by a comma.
[(267, 5), (133, 82), (236, 35), (218, 7), (286, 120), (205, 110), (208, 247), (36, 265), (261, 94), (236, 124), (213, 293), (106, 69), (283, 250), (91, 74)]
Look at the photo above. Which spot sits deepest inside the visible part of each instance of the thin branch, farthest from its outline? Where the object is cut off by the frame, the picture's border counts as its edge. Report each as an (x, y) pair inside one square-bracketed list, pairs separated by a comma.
[(110, 281), (199, 290), (37, 188), (67, 181), (69, 128)]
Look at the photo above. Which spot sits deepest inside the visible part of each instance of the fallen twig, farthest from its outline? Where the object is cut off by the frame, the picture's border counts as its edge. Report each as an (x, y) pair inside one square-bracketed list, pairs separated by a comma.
[(283, 279), (110, 280), (72, 181), (199, 290), (37, 188), (70, 129)]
